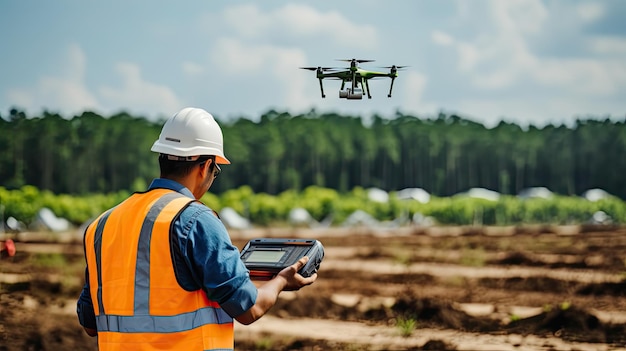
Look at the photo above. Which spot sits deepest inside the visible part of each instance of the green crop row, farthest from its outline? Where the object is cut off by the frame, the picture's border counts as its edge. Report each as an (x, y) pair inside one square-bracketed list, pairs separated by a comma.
[(264, 209)]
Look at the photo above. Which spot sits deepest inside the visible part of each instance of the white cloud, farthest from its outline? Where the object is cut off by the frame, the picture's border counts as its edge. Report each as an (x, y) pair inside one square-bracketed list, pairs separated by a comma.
[(300, 22), (469, 56), (542, 111), (247, 20), (588, 77), (526, 16), (234, 57), (68, 93), (77, 63), (191, 68), (294, 85), (497, 56), (589, 11), (412, 91), (271, 65), (139, 95), (65, 92), (441, 38), (21, 98), (608, 46), (500, 57)]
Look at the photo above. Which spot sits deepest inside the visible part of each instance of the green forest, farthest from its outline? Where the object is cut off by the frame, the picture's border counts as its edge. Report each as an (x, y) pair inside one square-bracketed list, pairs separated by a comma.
[(91, 153)]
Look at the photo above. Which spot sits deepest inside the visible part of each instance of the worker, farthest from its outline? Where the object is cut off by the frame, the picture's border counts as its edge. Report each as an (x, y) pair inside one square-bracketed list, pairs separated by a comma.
[(162, 272)]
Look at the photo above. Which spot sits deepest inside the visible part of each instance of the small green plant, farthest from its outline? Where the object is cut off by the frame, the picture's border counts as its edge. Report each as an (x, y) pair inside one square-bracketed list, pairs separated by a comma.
[(406, 326), (402, 258), (49, 260), (473, 257), (514, 317), (263, 344), (457, 281), (565, 305)]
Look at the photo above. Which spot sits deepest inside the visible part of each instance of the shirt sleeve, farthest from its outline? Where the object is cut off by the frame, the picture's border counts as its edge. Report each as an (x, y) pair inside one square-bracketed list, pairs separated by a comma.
[(84, 306), (214, 261)]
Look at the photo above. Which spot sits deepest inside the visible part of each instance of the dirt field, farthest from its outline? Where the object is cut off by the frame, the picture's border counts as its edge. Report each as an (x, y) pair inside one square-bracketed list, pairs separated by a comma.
[(532, 288)]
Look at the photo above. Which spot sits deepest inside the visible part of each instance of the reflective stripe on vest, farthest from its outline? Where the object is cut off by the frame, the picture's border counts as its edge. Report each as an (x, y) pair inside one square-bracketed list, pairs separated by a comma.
[(136, 297)]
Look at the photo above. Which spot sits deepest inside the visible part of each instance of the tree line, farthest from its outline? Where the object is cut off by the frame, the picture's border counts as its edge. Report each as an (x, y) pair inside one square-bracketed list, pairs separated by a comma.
[(445, 155)]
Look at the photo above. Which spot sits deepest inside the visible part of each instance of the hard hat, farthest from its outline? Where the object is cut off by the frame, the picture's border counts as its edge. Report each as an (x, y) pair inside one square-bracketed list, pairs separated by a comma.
[(191, 132)]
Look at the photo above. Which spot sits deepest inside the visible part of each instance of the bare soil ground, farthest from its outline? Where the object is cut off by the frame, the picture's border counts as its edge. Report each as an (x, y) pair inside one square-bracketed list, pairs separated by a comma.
[(531, 288)]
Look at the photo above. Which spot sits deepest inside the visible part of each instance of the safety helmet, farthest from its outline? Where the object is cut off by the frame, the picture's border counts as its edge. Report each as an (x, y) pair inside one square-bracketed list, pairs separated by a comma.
[(191, 132)]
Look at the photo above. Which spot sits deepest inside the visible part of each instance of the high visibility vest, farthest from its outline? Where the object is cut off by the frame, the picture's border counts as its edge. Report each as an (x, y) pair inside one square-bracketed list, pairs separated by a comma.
[(138, 303)]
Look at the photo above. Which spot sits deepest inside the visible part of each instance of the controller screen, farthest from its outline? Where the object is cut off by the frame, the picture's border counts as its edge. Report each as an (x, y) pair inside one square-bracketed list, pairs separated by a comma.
[(265, 256)]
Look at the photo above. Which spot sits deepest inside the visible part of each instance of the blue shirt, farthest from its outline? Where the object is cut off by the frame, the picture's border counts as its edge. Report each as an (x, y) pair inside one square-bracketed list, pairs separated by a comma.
[(203, 257)]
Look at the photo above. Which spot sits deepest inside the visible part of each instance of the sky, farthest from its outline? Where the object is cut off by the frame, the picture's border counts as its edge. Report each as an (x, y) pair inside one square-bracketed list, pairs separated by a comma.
[(530, 62)]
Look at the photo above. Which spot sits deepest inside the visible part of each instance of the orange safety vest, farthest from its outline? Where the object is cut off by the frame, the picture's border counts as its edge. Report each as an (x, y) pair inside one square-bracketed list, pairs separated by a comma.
[(138, 303)]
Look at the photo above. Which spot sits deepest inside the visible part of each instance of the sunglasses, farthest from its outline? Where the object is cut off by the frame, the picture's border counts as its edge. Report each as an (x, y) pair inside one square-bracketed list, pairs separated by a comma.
[(216, 171)]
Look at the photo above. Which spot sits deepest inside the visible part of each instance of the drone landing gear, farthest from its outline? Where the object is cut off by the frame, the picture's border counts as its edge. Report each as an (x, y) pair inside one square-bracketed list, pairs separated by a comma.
[(367, 88), (322, 88), (391, 87)]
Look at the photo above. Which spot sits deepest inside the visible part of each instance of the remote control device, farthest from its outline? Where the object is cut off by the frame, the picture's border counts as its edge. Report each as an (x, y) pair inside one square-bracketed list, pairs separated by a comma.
[(265, 257)]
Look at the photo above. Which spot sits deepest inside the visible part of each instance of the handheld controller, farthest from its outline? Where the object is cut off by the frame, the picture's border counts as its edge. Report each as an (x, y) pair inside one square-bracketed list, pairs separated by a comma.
[(265, 257)]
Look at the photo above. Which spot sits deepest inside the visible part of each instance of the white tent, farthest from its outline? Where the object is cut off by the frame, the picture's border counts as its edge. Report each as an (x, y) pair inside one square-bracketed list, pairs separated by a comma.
[(234, 220), (300, 216), (417, 194), (596, 194), (360, 217), (48, 220), (481, 193), (377, 195), (535, 193)]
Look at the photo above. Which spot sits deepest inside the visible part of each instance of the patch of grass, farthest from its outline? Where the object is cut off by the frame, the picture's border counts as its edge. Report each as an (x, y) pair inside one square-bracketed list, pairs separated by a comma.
[(263, 344), (402, 258), (49, 260), (473, 257), (456, 281), (406, 326)]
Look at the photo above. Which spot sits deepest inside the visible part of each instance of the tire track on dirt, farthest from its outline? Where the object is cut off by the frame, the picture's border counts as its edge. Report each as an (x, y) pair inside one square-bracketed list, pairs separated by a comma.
[(451, 270), (378, 337)]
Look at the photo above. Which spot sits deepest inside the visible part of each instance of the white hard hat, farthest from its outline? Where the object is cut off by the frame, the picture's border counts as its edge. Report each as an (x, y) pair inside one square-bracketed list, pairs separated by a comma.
[(191, 132)]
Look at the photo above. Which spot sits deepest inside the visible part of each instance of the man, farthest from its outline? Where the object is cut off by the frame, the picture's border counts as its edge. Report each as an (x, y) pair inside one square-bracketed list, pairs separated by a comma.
[(162, 272)]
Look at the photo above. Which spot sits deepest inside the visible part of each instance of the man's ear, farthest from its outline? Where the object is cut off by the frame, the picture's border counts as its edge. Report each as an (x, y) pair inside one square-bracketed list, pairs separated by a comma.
[(205, 168)]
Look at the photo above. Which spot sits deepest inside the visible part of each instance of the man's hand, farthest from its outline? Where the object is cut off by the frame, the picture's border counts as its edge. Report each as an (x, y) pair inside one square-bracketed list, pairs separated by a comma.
[(293, 280), (287, 279)]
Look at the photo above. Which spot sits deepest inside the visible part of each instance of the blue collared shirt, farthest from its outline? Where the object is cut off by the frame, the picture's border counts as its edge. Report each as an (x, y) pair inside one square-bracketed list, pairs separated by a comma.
[(204, 258)]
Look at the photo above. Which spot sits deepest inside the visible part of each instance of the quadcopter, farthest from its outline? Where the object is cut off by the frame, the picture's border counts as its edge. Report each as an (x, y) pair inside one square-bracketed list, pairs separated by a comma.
[(355, 75)]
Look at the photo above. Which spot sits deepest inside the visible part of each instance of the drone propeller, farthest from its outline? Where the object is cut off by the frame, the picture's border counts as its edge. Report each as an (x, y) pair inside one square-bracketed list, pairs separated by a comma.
[(395, 67), (355, 60), (319, 68)]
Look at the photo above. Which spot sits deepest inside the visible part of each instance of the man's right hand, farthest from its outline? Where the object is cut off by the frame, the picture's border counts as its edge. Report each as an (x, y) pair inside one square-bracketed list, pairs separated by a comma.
[(293, 279), (286, 280)]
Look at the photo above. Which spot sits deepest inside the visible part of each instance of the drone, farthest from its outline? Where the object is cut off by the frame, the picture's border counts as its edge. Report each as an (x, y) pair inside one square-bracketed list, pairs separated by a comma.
[(355, 75)]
